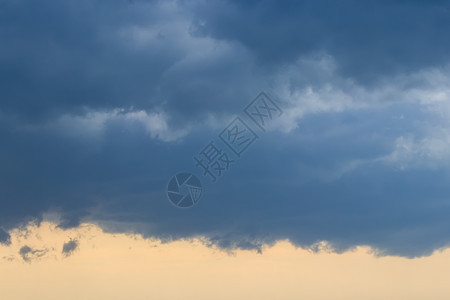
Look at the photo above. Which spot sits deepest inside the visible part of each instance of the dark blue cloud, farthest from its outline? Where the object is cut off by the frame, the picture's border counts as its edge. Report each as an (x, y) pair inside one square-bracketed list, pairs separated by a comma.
[(369, 39), (62, 57), (5, 237), (102, 102)]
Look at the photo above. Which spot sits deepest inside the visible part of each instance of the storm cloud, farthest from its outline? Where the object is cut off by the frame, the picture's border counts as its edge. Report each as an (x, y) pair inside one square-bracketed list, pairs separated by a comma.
[(101, 102)]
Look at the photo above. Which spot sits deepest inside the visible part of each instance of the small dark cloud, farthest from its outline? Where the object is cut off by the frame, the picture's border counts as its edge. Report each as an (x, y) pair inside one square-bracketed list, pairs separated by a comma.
[(5, 238), (28, 254), (70, 247), (9, 258)]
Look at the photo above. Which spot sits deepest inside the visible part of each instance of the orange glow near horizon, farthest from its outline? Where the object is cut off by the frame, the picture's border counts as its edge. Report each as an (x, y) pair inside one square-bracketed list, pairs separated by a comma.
[(120, 266)]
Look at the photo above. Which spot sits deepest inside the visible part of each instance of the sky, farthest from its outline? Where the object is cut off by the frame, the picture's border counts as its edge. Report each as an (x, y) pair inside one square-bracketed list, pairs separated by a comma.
[(103, 102)]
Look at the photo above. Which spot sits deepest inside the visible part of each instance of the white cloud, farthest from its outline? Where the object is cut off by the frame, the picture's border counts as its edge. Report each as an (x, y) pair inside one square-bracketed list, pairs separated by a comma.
[(91, 125), (429, 152), (156, 125)]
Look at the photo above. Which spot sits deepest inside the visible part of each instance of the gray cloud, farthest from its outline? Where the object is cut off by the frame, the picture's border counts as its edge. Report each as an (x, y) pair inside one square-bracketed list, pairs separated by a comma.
[(69, 247), (28, 254)]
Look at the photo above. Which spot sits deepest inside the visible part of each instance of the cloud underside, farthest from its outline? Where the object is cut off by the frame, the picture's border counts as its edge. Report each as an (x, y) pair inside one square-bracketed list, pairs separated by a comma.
[(5, 237), (103, 102)]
